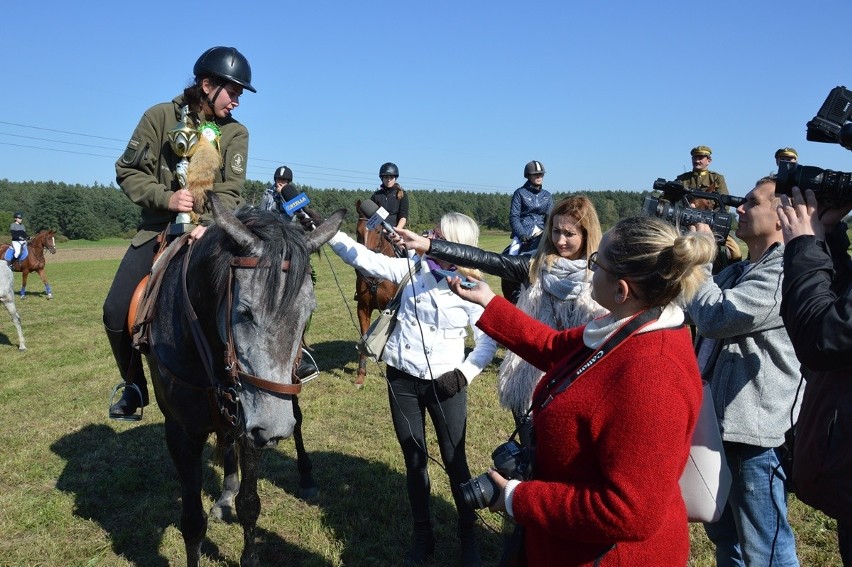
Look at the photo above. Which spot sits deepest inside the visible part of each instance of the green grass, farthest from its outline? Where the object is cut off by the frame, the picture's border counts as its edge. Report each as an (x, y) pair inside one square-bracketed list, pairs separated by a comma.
[(79, 489)]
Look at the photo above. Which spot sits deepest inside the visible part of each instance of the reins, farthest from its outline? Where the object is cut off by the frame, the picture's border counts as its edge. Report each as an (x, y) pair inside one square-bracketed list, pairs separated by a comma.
[(225, 395)]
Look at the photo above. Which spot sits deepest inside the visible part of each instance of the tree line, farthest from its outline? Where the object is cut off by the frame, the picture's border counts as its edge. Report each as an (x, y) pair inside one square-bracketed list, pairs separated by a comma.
[(98, 211)]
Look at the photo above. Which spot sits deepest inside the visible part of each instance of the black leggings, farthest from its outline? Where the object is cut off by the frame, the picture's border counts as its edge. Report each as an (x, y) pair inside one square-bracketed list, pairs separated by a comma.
[(410, 398)]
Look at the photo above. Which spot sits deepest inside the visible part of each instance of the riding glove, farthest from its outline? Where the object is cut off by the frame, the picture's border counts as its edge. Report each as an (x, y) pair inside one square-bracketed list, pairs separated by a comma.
[(449, 384)]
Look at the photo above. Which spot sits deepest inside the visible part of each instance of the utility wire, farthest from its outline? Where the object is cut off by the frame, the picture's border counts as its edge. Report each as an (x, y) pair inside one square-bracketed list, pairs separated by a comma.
[(322, 174)]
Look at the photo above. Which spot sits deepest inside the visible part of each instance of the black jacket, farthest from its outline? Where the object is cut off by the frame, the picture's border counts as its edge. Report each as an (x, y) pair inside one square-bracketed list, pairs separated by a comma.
[(513, 268), (817, 312)]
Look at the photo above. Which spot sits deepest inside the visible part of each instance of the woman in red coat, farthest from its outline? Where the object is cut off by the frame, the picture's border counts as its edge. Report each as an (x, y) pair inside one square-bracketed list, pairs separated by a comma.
[(610, 449)]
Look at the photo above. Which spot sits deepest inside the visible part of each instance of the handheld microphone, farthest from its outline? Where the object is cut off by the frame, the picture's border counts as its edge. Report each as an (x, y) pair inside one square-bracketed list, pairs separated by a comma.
[(294, 203), (377, 216)]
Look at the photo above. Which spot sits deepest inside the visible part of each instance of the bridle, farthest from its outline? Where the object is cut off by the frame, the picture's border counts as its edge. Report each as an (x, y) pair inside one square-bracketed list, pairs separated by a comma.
[(227, 393), (373, 282)]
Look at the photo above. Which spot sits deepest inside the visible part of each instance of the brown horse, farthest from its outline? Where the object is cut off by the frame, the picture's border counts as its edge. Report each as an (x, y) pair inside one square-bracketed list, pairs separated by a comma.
[(370, 293), (34, 262)]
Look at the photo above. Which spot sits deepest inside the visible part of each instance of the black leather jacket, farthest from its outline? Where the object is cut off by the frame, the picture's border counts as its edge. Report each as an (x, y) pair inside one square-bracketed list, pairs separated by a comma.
[(817, 312), (513, 268)]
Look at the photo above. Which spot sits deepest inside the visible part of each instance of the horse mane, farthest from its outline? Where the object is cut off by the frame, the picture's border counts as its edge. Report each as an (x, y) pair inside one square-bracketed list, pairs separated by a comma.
[(281, 241)]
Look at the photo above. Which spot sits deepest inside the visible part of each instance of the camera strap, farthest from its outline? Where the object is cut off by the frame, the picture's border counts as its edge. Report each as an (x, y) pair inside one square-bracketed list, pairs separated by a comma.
[(559, 382)]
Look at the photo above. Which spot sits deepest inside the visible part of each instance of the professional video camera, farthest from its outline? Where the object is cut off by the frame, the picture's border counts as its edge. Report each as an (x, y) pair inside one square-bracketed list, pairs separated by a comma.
[(511, 461), (672, 205), (831, 125)]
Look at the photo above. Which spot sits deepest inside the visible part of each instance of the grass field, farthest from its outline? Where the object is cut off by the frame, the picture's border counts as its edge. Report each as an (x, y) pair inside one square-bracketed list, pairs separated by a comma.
[(78, 489)]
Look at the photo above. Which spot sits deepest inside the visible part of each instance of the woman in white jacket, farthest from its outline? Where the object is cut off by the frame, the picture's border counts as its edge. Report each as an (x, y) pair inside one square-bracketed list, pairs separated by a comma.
[(427, 371)]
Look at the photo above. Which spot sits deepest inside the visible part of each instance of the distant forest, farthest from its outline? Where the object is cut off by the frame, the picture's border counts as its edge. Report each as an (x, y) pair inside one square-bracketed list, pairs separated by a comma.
[(98, 211)]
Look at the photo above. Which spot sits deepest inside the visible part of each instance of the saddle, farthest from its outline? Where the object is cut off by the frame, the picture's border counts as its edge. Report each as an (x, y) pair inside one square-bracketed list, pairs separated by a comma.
[(144, 299), (9, 254)]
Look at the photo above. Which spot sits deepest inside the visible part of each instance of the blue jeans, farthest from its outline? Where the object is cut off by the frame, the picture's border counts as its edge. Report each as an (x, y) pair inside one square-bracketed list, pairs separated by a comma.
[(753, 529)]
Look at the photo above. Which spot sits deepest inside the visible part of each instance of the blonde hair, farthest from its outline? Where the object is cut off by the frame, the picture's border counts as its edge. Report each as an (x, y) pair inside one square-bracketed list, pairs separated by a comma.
[(583, 212), (660, 263), (460, 228)]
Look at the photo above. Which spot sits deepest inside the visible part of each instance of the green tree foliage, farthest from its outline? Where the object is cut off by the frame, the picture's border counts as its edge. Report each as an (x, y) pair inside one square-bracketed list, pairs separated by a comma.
[(96, 212)]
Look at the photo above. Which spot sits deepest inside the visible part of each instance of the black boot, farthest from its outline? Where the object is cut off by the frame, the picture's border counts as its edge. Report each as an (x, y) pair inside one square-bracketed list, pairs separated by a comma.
[(469, 546), (422, 544), (307, 367), (129, 365)]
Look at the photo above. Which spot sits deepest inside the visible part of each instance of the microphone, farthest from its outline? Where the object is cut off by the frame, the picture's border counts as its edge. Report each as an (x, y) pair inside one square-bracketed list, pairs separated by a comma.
[(294, 202), (377, 218)]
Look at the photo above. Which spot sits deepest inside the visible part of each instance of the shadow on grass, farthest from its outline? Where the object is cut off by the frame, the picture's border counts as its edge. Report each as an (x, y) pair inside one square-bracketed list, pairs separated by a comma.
[(125, 482)]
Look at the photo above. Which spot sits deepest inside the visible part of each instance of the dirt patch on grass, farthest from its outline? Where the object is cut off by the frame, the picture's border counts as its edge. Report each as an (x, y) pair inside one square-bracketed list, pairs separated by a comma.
[(71, 254)]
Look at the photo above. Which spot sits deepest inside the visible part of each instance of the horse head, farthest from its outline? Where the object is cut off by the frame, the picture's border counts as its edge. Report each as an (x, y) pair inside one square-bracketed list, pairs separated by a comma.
[(50, 241), (270, 306)]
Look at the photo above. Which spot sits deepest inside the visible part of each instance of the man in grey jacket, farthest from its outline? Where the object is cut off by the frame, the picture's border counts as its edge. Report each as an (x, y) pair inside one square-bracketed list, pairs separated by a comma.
[(744, 352)]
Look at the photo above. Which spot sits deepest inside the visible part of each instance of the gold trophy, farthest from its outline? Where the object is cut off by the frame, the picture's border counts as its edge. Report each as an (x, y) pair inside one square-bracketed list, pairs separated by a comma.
[(183, 138)]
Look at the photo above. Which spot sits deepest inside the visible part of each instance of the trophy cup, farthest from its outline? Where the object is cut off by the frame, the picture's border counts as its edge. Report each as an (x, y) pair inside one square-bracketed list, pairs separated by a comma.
[(183, 138)]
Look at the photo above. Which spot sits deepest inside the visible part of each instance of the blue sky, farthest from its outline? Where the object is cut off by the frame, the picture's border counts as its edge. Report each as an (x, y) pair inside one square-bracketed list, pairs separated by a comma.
[(460, 95)]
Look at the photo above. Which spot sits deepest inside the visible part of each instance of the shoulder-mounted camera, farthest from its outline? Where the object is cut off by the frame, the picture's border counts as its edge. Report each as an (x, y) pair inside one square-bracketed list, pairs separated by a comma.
[(671, 204)]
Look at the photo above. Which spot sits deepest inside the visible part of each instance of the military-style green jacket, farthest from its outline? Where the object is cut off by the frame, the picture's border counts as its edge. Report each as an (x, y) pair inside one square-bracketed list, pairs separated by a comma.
[(146, 170), (708, 181)]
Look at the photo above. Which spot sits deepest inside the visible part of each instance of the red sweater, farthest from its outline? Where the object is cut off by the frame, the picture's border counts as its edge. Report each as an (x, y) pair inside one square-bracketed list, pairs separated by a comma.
[(609, 449)]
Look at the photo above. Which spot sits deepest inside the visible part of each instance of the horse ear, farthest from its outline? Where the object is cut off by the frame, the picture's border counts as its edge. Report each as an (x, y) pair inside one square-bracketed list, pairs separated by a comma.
[(232, 226), (328, 228)]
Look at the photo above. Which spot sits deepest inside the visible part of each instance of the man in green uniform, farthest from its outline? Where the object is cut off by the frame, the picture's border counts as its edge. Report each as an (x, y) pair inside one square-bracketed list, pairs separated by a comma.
[(786, 154), (702, 179)]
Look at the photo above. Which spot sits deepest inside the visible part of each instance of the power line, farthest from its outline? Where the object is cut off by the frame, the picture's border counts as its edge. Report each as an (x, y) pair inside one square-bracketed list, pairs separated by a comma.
[(322, 173)]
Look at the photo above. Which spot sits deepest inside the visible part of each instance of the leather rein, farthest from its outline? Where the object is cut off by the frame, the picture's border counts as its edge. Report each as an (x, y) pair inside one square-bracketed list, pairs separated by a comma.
[(227, 394)]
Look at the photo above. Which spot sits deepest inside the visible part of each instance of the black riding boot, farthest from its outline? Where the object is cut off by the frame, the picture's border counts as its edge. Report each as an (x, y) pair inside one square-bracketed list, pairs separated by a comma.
[(307, 367), (129, 365), (469, 545), (422, 544)]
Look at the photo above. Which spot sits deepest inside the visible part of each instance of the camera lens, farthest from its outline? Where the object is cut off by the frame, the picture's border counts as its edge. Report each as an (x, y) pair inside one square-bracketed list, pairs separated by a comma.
[(480, 492)]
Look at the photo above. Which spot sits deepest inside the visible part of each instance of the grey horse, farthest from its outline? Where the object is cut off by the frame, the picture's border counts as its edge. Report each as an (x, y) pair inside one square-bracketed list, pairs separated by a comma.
[(7, 296)]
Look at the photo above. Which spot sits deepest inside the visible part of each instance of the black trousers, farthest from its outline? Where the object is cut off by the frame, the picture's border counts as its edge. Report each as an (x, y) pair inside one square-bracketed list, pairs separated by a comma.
[(410, 398), (135, 265)]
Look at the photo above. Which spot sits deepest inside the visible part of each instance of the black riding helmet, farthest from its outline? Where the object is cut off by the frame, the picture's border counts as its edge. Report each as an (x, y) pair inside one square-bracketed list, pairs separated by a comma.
[(388, 169), (533, 167), (226, 63), (284, 173)]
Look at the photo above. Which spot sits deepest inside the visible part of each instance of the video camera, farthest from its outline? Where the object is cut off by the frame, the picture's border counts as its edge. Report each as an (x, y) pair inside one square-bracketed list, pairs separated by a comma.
[(672, 206), (831, 125)]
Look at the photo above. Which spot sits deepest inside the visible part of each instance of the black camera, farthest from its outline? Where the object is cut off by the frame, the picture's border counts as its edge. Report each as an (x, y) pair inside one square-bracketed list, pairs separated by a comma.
[(831, 188), (830, 125), (511, 461), (672, 206)]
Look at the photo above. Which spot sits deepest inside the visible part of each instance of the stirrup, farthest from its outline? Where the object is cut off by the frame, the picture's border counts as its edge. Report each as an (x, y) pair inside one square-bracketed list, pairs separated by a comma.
[(124, 417), (310, 377)]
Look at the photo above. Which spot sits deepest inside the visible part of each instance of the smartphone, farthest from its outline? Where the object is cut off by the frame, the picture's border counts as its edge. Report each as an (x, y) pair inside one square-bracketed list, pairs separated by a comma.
[(465, 283)]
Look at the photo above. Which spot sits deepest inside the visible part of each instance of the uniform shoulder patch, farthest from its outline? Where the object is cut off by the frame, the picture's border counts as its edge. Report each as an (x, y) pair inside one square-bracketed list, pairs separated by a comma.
[(238, 164), (129, 155)]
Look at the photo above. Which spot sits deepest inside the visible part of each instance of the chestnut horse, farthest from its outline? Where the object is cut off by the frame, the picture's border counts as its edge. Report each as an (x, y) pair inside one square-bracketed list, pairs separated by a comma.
[(370, 293), (34, 262)]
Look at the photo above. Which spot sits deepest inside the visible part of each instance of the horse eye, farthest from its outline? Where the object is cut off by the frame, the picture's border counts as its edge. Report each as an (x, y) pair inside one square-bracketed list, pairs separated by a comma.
[(245, 312)]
